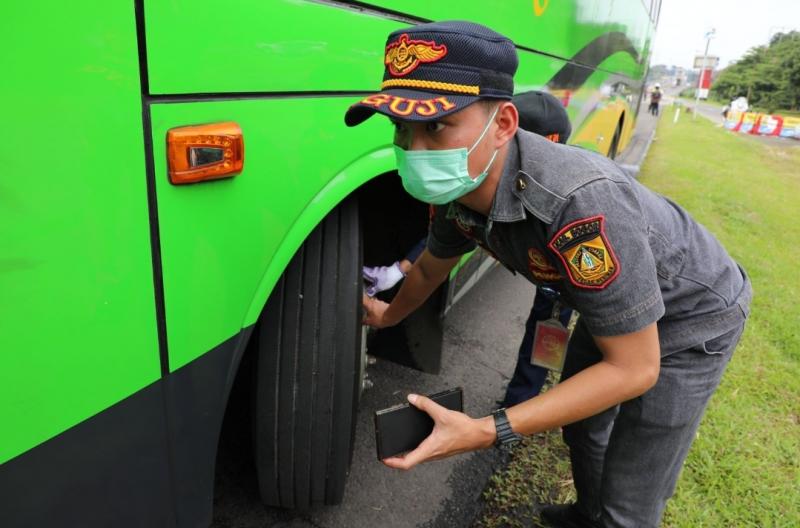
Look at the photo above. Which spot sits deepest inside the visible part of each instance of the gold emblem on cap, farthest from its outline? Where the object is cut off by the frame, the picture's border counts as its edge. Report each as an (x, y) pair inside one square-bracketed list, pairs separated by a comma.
[(403, 55)]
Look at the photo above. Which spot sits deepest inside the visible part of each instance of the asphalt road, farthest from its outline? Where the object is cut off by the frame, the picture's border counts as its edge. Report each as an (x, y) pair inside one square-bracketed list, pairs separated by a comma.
[(482, 334)]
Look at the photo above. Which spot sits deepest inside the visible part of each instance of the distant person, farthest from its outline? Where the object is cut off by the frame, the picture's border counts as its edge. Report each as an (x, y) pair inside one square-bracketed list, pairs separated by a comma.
[(740, 104), (655, 99), (726, 110)]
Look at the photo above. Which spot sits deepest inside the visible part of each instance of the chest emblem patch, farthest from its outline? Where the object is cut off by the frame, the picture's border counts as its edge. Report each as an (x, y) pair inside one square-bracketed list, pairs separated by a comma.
[(403, 55), (586, 253), (540, 268)]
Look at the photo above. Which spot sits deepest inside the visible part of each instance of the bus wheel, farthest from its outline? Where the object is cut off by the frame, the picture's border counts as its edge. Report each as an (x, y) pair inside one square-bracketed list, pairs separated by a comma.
[(308, 368)]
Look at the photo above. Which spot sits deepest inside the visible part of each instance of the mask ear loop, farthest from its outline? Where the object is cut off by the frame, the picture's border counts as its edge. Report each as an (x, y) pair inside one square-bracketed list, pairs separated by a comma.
[(485, 129), (488, 165)]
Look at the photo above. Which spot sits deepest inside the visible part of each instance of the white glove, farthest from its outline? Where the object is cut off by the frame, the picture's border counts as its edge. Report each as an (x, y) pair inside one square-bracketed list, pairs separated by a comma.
[(382, 278)]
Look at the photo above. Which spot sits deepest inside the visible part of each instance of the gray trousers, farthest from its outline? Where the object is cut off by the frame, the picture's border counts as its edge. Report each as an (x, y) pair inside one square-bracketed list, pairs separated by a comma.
[(627, 459)]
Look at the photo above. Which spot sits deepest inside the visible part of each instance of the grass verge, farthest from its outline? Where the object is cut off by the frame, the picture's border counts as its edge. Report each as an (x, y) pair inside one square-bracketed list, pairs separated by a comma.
[(744, 467), (757, 109)]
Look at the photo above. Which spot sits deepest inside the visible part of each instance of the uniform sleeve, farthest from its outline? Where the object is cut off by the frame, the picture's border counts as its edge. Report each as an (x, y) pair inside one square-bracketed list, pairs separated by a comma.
[(444, 238), (414, 253), (600, 241)]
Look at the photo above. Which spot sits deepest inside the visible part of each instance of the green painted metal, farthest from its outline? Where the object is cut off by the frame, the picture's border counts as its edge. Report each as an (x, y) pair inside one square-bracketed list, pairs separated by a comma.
[(341, 49), (77, 309), (263, 46), (557, 27), (225, 243), (232, 239), (77, 320)]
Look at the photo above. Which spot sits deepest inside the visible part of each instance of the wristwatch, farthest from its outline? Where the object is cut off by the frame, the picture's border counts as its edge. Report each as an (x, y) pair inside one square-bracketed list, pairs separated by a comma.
[(506, 436)]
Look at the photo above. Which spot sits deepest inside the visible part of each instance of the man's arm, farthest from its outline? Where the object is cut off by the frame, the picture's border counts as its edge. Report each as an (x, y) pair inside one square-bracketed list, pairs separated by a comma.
[(424, 277), (629, 367)]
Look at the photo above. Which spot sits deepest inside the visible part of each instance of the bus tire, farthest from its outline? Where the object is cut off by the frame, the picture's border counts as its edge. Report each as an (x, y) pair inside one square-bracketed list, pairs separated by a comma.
[(307, 378)]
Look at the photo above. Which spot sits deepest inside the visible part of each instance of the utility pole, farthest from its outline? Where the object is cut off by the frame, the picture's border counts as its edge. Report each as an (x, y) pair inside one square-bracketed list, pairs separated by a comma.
[(709, 35)]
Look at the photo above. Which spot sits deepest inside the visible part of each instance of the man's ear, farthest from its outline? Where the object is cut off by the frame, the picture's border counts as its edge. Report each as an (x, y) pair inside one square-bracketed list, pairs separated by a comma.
[(507, 120)]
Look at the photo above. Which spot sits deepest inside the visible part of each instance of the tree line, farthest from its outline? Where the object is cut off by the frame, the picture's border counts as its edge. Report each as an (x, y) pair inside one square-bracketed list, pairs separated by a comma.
[(769, 76)]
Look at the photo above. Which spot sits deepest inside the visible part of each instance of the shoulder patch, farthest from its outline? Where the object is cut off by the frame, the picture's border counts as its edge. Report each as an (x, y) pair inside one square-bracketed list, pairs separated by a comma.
[(586, 253)]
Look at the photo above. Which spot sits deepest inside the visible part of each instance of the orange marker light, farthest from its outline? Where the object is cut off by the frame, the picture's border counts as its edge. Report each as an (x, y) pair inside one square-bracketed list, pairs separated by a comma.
[(204, 152)]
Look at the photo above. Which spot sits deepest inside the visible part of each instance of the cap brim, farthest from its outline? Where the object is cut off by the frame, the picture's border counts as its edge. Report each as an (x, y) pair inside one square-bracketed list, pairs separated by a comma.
[(407, 105)]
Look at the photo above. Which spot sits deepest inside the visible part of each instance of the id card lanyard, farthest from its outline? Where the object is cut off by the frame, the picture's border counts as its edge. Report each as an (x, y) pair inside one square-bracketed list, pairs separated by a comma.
[(550, 341)]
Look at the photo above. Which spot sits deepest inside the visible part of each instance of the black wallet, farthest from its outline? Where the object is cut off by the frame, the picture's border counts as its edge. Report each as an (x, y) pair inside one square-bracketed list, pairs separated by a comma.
[(403, 427)]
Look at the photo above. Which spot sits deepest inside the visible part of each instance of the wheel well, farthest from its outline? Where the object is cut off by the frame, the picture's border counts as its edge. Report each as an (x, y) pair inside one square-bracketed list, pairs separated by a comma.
[(392, 223)]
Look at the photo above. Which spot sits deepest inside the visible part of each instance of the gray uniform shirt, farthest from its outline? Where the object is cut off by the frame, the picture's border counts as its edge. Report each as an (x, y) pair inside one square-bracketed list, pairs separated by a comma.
[(619, 253)]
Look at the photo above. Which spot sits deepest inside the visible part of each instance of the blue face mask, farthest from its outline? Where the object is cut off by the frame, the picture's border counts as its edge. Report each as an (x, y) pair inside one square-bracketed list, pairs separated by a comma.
[(440, 176)]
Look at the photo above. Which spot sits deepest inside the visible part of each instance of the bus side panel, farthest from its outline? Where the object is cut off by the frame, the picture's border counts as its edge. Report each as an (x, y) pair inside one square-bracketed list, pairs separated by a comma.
[(77, 316), (262, 46), (218, 238), (340, 48), (562, 28), (109, 470)]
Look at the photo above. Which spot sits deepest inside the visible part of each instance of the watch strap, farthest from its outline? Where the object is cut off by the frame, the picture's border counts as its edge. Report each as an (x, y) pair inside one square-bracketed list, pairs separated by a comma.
[(505, 435)]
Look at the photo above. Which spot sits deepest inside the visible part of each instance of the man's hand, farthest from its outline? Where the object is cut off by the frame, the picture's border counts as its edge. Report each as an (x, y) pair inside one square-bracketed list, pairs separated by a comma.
[(453, 433), (374, 310), (382, 278), (427, 273)]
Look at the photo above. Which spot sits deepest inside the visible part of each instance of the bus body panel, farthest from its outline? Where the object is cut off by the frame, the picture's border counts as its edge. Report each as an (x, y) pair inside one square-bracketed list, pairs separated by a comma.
[(79, 346), (377, 162), (77, 316), (219, 238), (284, 46), (594, 99), (218, 267), (560, 28), (205, 47)]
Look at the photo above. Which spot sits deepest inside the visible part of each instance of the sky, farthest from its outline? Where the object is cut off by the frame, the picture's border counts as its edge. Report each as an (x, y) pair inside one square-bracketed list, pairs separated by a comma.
[(739, 24)]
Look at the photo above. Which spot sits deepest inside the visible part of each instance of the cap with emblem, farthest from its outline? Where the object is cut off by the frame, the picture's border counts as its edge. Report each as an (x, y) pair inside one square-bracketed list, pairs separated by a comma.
[(542, 113), (435, 69)]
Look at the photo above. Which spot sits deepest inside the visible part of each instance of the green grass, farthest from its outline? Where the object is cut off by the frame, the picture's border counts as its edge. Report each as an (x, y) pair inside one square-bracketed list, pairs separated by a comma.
[(758, 109), (537, 473), (744, 466)]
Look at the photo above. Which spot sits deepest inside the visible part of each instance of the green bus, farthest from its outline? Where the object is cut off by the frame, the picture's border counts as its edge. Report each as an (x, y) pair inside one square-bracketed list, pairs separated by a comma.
[(183, 209)]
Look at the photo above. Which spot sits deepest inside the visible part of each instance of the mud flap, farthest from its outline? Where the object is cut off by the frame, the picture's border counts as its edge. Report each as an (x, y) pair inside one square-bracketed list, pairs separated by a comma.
[(417, 341)]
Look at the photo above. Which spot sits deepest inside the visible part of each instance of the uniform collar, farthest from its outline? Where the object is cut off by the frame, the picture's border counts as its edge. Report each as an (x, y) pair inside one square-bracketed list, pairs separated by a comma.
[(518, 191), (506, 207), (521, 190)]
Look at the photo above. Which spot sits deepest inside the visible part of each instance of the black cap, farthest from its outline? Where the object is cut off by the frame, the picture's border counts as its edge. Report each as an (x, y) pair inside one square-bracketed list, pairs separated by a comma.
[(543, 114), (435, 69)]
